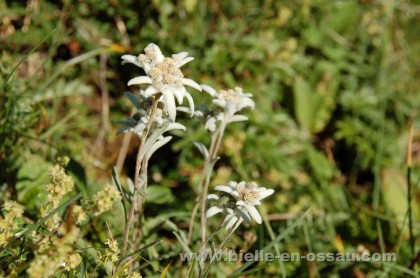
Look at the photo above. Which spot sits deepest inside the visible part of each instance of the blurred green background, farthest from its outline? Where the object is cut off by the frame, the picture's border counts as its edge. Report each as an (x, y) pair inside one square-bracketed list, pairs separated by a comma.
[(335, 84)]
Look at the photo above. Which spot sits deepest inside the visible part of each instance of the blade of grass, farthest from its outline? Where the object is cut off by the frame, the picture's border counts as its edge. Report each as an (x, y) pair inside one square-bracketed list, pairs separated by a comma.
[(276, 246), (255, 269), (121, 270), (141, 249), (308, 244), (165, 270), (43, 220), (117, 183), (192, 269), (409, 189), (72, 62), (24, 58), (401, 269)]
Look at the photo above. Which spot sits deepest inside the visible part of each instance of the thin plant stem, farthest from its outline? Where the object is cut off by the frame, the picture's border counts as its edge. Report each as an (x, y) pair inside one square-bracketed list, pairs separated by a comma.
[(200, 186), (410, 216), (191, 225), (409, 187), (219, 140), (143, 165), (214, 148), (99, 143), (127, 230), (123, 151), (135, 206)]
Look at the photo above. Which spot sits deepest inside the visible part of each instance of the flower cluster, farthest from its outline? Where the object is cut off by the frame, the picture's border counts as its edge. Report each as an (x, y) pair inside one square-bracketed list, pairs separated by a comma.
[(57, 253), (103, 200), (8, 224), (163, 77), (72, 262), (230, 101), (112, 252), (60, 185), (79, 214), (238, 200)]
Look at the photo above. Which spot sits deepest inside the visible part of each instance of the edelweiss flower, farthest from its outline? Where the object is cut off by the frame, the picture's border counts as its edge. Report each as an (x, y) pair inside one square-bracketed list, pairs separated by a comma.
[(238, 200), (138, 122), (232, 100), (164, 76)]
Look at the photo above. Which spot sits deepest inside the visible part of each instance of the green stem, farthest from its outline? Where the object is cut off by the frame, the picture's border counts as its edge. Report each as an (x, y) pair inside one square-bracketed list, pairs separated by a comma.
[(410, 216)]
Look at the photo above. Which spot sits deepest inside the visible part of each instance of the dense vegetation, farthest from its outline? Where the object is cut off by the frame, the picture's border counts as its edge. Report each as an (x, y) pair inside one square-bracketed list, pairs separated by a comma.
[(336, 97)]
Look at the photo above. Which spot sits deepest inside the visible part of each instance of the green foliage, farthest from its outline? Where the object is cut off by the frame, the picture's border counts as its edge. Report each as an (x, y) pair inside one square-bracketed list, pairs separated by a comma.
[(335, 85), (31, 177)]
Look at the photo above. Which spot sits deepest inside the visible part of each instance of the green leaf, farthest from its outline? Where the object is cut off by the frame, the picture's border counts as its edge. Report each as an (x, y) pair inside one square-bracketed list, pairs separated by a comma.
[(343, 17), (202, 148), (312, 109), (322, 167), (306, 104), (394, 190), (134, 99), (32, 178), (159, 194)]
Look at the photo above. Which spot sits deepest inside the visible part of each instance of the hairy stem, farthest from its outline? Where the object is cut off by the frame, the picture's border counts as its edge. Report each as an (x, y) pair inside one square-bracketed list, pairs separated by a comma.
[(137, 201), (214, 148)]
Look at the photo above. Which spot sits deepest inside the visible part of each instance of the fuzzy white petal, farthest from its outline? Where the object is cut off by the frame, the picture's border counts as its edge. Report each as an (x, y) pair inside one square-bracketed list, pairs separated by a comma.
[(237, 224), (237, 118), (150, 91), (232, 221), (213, 197), (228, 218), (159, 55), (173, 126), (224, 188), (185, 60), (254, 213), (147, 67), (191, 103), (212, 92), (247, 102), (244, 215), (211, 124), (213, 211), (264, 194), (230, 108), (140, 80), (179, 56), (191, 83), (170, 103), (220, 102), (254, 203), (131, 59), (240, 203), (158, 144), (179, 94)]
